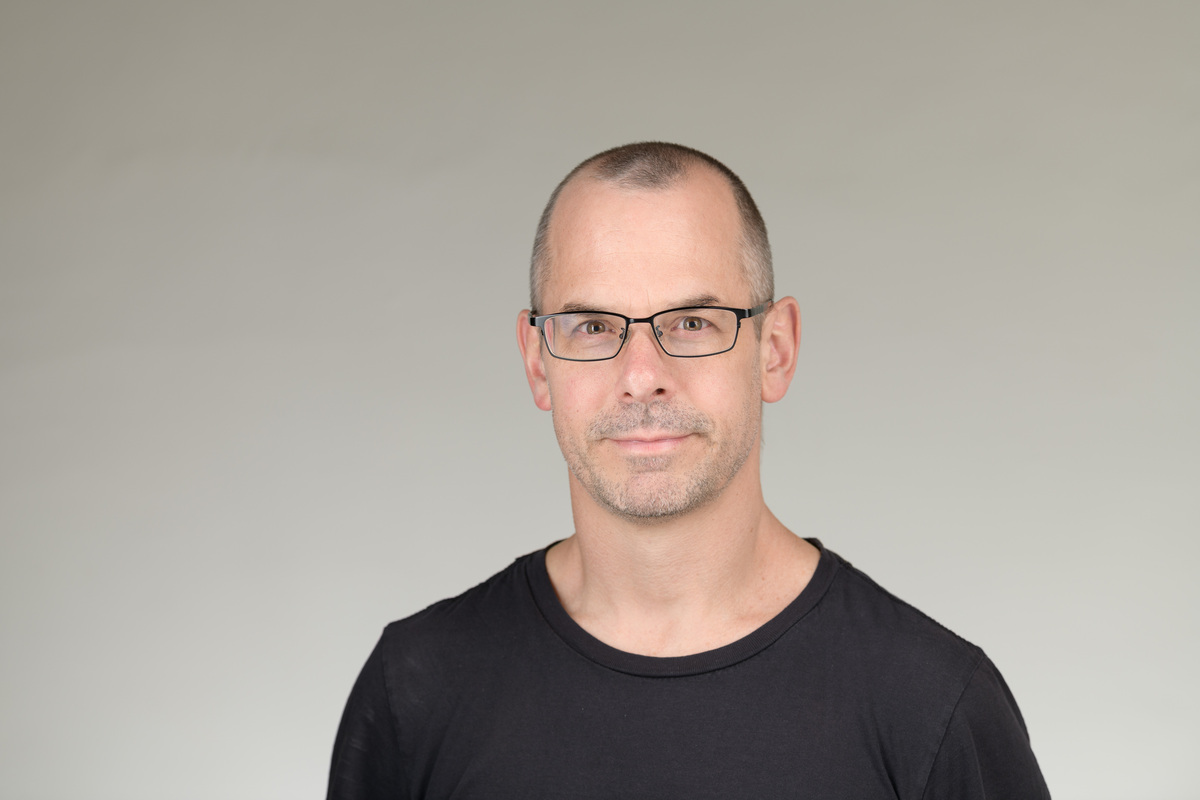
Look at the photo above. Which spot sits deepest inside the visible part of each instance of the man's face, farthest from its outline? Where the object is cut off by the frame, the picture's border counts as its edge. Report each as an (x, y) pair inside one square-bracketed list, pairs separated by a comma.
[(645, 434)]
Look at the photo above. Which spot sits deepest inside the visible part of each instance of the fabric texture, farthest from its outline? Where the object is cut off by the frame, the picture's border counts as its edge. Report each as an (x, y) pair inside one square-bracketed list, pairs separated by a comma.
[(847, 693)]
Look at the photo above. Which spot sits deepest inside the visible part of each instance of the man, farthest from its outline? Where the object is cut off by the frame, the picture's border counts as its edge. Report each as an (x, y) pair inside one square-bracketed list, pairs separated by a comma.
[(681, 643)]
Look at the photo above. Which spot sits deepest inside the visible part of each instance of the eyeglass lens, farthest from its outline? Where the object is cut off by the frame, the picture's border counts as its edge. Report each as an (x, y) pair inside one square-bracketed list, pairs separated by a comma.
[(683, 332)]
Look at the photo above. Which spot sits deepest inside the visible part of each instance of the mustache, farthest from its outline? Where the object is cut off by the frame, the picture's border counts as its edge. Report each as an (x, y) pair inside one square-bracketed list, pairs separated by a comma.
[(658, 417)]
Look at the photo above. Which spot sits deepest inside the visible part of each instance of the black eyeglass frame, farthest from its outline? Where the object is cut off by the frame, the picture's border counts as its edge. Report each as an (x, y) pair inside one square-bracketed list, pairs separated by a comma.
[(539, 322)]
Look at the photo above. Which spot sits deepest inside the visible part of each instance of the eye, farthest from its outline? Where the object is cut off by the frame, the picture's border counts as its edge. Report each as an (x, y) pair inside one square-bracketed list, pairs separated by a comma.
[(692, 324), (591, 326)]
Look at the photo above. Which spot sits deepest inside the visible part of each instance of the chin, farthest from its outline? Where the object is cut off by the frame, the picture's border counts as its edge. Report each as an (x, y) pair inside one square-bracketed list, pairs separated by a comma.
[(651, 497)]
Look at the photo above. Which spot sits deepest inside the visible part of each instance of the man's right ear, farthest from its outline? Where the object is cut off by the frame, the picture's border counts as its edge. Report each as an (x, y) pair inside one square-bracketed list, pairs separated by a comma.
[(529, 339)]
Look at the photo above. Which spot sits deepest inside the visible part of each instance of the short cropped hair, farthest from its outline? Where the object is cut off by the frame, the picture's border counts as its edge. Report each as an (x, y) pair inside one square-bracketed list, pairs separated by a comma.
[(660, 165)]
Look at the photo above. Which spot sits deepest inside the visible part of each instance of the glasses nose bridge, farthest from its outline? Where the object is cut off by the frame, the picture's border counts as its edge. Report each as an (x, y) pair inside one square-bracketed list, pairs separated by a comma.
[(652, 332)]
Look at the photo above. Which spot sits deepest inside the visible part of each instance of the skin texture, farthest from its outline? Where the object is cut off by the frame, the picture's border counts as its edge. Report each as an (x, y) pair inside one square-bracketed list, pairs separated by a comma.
[(674, 549), (656, 476)]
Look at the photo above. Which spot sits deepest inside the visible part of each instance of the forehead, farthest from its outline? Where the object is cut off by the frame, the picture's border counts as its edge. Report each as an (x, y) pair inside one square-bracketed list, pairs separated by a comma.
[(636, 251)]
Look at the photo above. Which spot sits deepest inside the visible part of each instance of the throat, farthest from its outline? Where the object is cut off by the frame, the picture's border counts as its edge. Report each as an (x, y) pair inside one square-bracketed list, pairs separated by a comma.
[(651, 603)]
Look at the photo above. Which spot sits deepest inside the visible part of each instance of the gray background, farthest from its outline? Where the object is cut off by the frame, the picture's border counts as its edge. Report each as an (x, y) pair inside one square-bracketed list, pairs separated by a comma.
[(260, 393)]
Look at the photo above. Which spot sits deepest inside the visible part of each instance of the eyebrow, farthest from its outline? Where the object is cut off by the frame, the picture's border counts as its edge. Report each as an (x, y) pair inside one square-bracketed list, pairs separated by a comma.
[(698, 301)]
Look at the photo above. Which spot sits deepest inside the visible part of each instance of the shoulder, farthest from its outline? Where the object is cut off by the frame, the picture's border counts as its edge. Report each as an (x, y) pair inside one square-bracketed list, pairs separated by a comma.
[(881, 627), (889, 660), (928, 692), (485, 616)]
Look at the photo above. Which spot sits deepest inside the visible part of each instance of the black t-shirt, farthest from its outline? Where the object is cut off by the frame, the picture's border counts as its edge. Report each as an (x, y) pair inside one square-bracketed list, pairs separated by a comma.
[(847, 693)]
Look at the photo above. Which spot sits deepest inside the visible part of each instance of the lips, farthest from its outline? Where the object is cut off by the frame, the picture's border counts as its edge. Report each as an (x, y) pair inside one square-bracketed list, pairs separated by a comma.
[(650, 443)]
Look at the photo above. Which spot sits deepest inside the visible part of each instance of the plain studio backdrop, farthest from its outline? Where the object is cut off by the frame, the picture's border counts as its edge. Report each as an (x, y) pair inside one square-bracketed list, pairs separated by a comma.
[(261, 263)]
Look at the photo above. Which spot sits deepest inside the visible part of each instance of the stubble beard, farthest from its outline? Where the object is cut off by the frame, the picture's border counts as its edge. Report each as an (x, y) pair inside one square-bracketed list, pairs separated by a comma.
[(646, 488)]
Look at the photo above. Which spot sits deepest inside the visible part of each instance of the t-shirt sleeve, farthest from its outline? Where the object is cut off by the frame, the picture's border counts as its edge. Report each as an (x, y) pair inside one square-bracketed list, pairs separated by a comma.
[(366, 753), (985, 752)]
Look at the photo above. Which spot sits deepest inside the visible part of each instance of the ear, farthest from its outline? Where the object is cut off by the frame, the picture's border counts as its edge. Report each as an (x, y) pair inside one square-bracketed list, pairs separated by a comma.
[(529, 339), (780, 344)]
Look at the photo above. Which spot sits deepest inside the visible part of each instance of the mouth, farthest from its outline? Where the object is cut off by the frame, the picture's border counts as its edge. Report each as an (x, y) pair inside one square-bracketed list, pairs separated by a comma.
[(649, 443)]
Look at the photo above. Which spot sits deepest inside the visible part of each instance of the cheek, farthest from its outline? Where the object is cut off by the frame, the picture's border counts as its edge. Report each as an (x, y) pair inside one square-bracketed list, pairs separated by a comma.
[(738, 406), (730, 390), (576, 398)]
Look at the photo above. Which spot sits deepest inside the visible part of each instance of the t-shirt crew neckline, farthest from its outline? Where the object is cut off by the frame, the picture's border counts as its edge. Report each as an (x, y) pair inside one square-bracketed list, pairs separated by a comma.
[(676, 666)]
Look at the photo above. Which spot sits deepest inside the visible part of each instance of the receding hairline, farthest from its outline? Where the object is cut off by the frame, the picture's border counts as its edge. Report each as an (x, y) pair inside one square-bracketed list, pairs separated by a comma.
[(657, 182), (660, 166), (685, 178)]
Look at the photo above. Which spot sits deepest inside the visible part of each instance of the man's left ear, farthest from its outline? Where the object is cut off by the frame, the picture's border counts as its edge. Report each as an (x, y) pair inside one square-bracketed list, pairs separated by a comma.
[(779, 346)]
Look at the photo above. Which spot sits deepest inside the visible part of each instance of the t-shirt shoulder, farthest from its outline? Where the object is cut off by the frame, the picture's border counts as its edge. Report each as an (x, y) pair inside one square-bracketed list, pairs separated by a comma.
[(490, 609), (920, 657), (883, 612)]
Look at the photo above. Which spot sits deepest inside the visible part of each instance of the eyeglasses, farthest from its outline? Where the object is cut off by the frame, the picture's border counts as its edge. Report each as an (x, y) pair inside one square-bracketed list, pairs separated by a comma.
[(680, 332)]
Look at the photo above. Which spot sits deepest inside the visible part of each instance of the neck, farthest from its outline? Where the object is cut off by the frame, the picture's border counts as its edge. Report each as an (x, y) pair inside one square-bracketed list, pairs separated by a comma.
[(681, 584)]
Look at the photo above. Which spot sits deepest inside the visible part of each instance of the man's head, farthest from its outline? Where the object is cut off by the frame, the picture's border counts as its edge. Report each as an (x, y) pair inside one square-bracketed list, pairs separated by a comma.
[(647, 434), (658, 166)]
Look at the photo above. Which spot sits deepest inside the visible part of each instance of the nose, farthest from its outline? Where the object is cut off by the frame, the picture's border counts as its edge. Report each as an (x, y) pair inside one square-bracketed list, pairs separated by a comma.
[(645, 373)]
